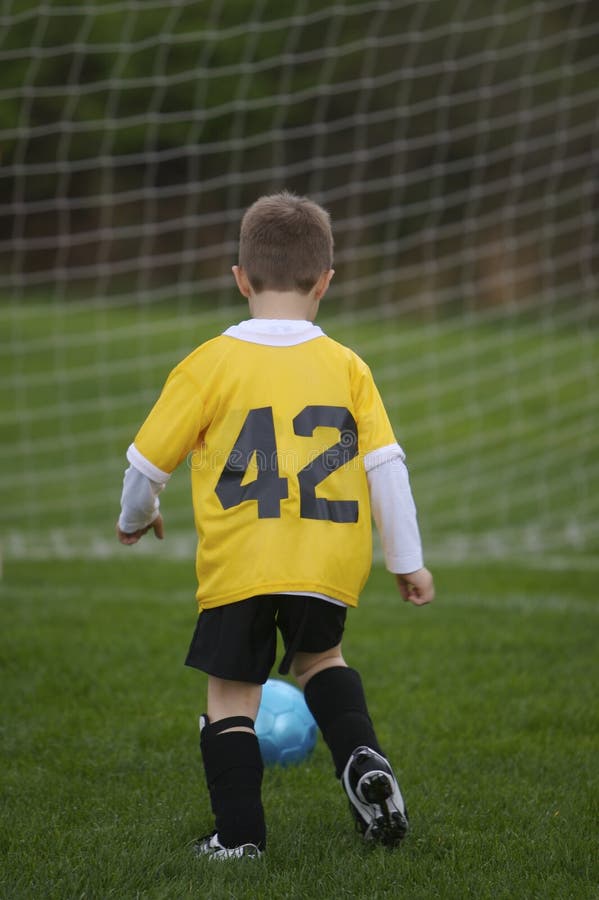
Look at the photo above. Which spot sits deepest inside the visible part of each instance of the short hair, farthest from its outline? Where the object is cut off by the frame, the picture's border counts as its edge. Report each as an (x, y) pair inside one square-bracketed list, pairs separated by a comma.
[(285, 244)]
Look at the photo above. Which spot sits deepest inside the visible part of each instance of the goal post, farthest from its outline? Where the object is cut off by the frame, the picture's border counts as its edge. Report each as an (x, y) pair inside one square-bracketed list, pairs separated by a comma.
[(455, 145)]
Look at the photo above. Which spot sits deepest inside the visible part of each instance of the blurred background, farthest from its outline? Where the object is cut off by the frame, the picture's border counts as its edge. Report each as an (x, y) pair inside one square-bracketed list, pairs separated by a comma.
[(456, 148)]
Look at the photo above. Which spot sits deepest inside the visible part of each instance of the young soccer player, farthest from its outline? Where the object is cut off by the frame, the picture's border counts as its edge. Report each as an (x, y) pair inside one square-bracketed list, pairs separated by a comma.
[(290, 450)]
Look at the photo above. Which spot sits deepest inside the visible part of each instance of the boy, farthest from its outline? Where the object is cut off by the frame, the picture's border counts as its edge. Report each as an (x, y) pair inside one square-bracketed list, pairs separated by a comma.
[(290, 448)]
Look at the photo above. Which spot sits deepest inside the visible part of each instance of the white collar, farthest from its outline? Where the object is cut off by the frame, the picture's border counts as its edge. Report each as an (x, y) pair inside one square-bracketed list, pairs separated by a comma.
[(275, 332)]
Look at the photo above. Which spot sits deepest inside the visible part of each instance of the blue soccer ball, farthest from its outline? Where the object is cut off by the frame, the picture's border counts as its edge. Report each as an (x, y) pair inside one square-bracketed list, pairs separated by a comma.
[(285, 726)]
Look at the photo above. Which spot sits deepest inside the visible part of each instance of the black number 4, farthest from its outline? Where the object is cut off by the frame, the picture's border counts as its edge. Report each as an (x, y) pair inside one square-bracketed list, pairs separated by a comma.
[(257, 436)]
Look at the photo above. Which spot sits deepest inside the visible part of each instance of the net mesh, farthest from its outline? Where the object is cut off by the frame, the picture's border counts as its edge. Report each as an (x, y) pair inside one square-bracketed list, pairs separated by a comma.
[(455, 146)]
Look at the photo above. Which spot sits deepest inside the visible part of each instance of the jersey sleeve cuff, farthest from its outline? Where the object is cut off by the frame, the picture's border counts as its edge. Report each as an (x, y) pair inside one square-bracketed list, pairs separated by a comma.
[(143, 465), (404, 565), (130, 526), (382, 455)]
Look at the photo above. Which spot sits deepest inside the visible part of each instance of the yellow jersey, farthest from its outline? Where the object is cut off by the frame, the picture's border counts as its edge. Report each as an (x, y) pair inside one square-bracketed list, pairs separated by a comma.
[(275, 436)]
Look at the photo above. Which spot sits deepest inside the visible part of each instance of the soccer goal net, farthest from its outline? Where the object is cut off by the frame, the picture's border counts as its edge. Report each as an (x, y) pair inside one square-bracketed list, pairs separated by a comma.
[(455, 146)]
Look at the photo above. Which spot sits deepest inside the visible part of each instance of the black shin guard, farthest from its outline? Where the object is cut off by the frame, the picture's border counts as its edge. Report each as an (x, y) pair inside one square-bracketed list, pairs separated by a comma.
[(233, 766), (336, 699)]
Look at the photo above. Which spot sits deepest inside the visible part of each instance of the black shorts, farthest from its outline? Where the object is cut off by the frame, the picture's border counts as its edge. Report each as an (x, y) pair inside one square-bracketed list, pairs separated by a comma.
[(239, 641)]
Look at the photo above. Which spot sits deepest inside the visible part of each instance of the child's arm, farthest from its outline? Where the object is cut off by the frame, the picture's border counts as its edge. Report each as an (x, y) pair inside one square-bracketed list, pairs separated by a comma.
[(168, 434), (140, 507), (394, 513)]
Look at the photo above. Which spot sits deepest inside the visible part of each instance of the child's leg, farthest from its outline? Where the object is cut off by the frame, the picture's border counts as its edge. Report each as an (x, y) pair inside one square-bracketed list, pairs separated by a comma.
[(232, 761), (227, 698), (335, 696)]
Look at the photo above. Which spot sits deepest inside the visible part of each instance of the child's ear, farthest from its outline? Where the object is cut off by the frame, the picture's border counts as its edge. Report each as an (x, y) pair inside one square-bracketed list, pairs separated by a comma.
[(321, 286), (245, 288)]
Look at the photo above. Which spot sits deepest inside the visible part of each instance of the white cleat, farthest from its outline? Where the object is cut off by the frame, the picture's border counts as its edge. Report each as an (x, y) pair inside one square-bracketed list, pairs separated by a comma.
[(211, 847), (374, 796)]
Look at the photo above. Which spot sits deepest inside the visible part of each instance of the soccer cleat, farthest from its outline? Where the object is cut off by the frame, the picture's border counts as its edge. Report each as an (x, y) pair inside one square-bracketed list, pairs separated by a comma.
[(374, 797), (211, 847)]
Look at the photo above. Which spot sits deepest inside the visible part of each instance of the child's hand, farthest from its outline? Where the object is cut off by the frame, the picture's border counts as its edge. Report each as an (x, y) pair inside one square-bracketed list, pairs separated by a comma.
[(416, 587), (157, 526)]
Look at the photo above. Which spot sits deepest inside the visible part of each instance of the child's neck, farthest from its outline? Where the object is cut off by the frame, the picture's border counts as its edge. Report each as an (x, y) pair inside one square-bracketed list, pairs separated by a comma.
[(283, 305)]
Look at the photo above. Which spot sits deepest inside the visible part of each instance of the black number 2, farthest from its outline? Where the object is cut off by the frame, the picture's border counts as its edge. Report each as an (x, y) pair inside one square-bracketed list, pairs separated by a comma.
[(311, 506), (257, 436)]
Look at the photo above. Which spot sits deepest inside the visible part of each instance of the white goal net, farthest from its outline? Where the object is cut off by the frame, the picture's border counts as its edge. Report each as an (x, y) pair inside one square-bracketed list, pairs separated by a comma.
[(455, 145)]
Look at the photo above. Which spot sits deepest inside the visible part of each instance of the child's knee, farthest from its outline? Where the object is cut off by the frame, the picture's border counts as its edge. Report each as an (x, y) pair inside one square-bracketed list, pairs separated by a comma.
[(232, 698), (306, 665)]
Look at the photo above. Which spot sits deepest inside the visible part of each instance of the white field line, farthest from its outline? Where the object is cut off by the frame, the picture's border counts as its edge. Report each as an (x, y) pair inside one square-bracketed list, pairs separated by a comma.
[(530, 549), (92, 591), (61, 544), (510, 602)]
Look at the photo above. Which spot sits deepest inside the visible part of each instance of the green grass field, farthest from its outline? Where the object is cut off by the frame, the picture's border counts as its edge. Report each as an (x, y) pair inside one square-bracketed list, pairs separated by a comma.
[(485, 701)]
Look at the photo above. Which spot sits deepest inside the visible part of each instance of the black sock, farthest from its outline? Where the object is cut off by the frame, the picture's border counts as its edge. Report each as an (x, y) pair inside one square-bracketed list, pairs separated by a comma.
[(233, 766), (336, 699)]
